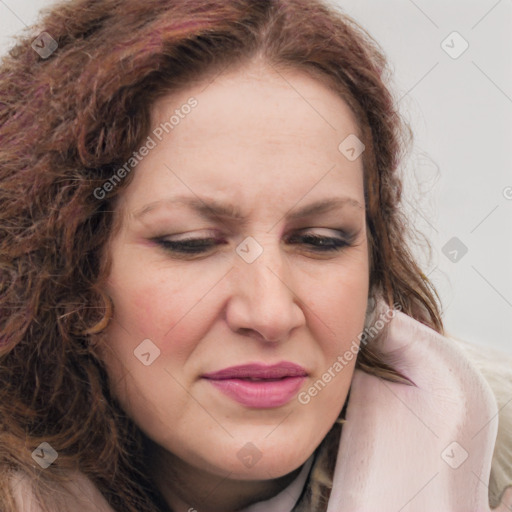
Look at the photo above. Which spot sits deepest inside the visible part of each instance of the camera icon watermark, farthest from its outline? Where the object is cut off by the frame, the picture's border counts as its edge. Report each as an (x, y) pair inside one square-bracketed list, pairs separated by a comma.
[(249, 249), (249, 455), (454, 455), (351, 147), (454, 249), (147, 352), (45, 455), (454, 45), (44, 45)]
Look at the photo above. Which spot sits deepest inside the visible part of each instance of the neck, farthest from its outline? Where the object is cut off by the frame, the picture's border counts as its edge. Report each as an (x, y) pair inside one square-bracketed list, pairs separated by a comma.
[(186, 488)]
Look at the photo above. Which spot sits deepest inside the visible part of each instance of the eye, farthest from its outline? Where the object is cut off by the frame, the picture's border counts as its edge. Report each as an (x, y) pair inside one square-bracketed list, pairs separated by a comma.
[(188, 245), (195, 246), (321, 243)]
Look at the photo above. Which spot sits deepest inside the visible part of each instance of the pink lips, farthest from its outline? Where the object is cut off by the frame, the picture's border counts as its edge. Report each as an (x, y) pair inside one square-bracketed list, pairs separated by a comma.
[(257, 385)]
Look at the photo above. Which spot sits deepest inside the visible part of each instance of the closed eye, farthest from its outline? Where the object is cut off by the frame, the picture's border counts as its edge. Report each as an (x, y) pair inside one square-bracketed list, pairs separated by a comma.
[(195, 246), (321, 243)]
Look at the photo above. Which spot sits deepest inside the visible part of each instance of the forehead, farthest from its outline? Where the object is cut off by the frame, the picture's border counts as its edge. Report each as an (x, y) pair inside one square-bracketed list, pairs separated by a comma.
[(254, 132), (240, 93)]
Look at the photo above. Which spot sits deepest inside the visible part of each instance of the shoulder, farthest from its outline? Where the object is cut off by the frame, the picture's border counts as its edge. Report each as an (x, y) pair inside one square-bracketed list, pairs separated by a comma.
[(78, 495), (496, 367)]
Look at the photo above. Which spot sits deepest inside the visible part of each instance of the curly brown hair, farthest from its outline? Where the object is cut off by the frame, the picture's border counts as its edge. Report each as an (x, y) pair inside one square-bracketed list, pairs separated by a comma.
[(67, 122)]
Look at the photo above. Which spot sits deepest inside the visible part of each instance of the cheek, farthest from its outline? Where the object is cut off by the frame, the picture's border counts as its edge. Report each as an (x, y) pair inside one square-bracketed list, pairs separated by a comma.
[(341, 303), (150, 306), (158, 303)]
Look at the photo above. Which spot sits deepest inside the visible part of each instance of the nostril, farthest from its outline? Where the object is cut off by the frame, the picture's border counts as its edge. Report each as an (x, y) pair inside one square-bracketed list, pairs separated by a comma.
[(253, 333)]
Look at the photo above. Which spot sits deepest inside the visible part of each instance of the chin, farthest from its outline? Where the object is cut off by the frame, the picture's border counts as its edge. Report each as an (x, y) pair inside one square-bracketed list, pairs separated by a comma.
[(267, 461)]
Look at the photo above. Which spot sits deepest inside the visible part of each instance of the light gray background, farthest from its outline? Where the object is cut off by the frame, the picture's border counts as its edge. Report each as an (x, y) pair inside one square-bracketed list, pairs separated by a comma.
[(459, 174)]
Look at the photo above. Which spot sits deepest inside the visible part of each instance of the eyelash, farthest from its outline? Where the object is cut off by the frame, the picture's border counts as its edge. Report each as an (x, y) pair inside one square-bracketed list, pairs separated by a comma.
[(195, 246)]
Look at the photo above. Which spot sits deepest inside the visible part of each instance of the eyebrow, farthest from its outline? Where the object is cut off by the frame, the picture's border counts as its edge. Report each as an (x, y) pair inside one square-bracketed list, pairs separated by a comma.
[(213, 209)]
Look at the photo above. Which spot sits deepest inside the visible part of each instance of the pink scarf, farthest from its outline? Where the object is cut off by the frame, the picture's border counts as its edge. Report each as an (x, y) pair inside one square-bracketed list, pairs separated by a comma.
[(417, 449)]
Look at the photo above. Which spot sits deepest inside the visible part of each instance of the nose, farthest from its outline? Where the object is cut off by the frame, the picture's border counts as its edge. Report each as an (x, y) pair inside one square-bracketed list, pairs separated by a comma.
[(264, 303)]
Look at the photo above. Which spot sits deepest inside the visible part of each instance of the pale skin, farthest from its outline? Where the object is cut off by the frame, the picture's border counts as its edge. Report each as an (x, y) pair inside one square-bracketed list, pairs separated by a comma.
[(254, 142)]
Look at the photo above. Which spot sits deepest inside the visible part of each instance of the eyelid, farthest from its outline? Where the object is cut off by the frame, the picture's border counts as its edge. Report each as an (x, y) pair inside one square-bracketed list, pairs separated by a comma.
[(323, 231), (346, 234), (190, 235), (204, 234), (196, 247)]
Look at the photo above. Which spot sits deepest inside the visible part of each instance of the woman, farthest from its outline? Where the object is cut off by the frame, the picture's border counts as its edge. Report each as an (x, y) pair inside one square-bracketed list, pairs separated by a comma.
[(208, 302)]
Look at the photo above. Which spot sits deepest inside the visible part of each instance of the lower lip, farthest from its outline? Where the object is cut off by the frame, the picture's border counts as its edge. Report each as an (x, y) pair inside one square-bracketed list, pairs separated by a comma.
[(260, 394)]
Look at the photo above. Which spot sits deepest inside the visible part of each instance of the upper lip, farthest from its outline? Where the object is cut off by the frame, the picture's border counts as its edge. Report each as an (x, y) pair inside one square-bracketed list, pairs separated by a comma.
[(258, 371)]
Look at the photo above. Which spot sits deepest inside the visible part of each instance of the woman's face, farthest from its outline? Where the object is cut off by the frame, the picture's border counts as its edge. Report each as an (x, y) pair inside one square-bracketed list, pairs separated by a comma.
[(228, 349)]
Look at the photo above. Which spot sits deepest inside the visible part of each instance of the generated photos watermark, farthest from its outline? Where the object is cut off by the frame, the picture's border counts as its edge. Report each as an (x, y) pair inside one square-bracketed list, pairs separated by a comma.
[(151, 143), (343, 360)]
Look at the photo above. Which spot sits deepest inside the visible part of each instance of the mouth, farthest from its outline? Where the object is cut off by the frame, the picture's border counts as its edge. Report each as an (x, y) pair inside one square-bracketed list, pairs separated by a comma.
[(259, 386)]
